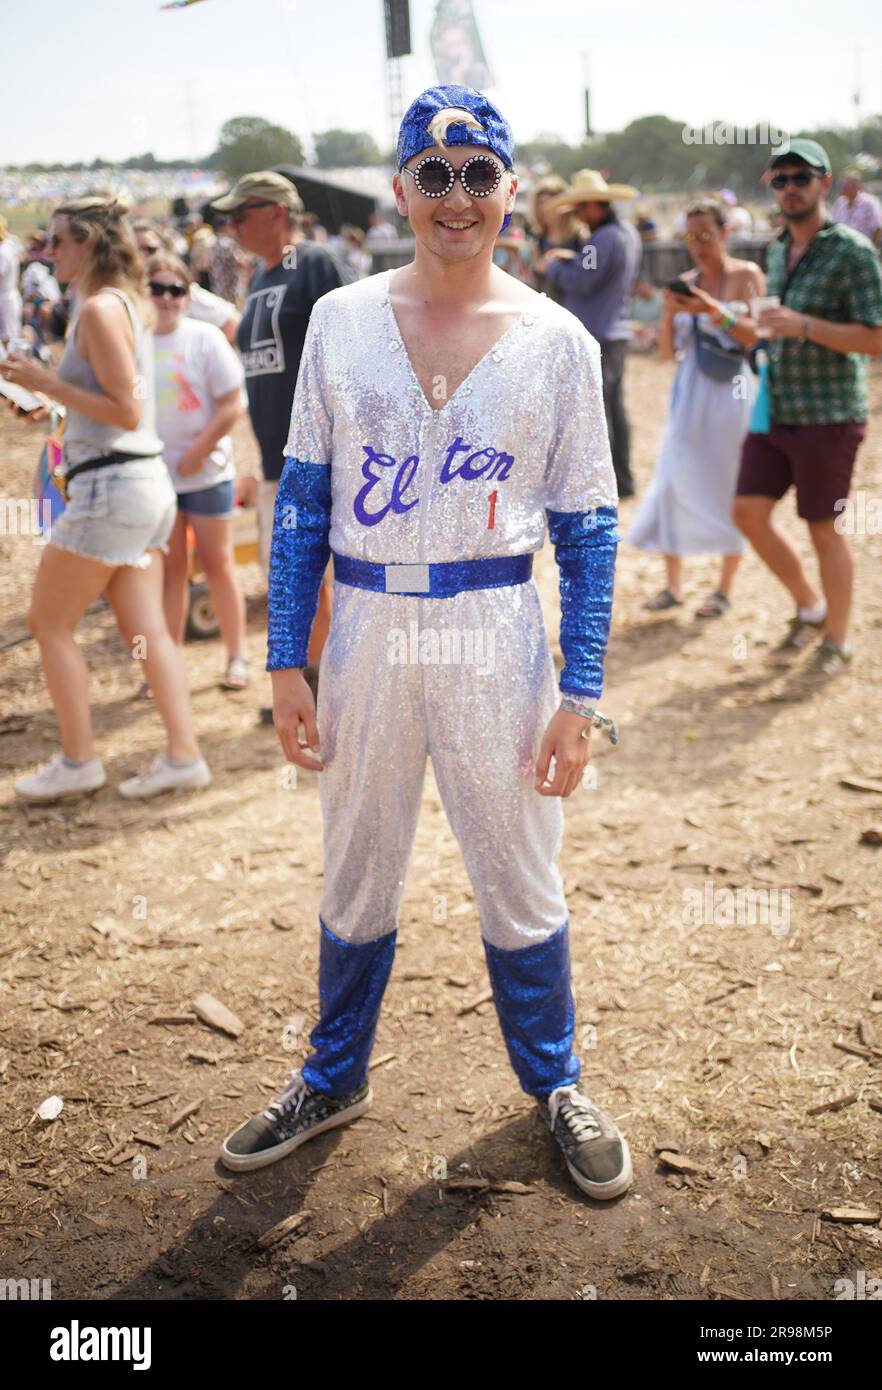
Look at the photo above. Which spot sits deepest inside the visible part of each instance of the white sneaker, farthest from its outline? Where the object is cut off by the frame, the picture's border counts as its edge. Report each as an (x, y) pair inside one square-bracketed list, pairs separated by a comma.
[(163, 777), (56, 780)]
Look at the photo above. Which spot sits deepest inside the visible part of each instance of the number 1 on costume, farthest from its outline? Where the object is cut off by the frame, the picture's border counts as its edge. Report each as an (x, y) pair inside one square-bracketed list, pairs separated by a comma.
[(492, 499)]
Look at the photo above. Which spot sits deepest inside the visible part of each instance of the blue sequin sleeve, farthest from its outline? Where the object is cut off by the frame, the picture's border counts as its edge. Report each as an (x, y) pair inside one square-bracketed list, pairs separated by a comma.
[(300, 551), (582, 511), (585, 549), (298, 556)]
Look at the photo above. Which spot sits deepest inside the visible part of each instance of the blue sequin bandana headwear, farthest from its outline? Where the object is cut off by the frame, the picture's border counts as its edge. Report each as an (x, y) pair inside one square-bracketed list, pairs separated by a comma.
[(495, 133)]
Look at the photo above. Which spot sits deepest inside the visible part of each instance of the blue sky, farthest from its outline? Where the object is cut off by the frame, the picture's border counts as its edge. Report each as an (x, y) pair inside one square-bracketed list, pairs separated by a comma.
[(141, 79)]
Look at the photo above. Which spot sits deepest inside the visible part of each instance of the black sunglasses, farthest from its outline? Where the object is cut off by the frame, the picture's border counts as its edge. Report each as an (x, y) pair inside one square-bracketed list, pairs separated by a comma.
[(158, 290), (802, 179), (240, 213), (435, 176)]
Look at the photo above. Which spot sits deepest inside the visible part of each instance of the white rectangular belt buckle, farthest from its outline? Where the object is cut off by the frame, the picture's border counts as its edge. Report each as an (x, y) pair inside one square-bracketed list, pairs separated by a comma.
[(407, 579)]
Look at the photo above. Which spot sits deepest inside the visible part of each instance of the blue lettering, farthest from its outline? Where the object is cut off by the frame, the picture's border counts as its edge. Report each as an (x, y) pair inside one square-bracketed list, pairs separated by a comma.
[(501, 467), (468, 472), (480, 463), (402, 479), (447, 470)]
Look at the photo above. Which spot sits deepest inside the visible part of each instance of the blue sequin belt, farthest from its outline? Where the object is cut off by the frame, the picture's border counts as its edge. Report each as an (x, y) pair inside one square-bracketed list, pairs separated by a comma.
[(434, 581)]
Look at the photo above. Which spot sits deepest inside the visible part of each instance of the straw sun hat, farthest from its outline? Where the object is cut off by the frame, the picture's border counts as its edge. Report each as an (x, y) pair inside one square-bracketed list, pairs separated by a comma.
[(589, 186)]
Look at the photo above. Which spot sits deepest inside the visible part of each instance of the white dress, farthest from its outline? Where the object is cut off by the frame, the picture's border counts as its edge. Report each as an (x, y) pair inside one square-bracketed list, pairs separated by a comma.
[(687, 510), (10, 299)]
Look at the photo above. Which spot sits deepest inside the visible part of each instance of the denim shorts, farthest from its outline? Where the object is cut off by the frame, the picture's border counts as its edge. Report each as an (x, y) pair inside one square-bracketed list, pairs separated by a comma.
[(217, 500), (119, 513)]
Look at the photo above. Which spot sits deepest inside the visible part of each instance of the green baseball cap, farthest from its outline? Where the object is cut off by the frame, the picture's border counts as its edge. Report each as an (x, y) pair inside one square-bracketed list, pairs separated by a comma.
[(265, 186), (809, 151)]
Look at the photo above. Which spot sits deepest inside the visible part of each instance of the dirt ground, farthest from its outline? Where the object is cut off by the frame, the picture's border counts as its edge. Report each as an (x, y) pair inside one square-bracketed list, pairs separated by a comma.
[(710, 1043)]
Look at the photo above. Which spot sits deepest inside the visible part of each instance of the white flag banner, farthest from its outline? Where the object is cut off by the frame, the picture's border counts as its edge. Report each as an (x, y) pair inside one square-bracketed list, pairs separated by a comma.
[(457, 48)]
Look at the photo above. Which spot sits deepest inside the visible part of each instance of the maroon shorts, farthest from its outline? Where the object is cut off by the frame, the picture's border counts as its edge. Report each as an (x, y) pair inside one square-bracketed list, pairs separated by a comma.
[(818, 458)]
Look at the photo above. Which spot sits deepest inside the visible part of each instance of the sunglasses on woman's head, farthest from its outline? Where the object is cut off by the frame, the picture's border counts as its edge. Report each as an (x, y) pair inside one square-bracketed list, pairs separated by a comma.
[(159, 290), (435, 176), (802, 179)]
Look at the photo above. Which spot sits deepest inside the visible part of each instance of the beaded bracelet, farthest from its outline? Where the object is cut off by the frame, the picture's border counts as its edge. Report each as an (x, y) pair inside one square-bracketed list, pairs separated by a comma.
[(725, 320)]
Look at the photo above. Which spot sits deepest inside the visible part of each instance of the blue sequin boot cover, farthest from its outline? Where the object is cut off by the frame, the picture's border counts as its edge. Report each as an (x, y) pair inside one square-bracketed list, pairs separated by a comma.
[(352, 980), (534, 1002)]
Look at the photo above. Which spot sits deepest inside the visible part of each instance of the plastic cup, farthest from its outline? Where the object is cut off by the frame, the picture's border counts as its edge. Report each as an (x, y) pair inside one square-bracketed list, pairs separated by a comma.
[(758, 306)]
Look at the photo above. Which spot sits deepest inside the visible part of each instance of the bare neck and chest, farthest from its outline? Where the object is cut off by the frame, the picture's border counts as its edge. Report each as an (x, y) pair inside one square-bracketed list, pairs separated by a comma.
[(730, 279), (445, 345)]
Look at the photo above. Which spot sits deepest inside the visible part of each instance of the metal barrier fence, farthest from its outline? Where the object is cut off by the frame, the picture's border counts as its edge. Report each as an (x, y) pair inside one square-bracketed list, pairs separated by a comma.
[(388, 255), (662, 259)]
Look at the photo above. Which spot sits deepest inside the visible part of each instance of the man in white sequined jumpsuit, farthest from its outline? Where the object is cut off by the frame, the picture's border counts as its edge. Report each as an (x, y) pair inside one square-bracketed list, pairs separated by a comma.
[(432, 505)]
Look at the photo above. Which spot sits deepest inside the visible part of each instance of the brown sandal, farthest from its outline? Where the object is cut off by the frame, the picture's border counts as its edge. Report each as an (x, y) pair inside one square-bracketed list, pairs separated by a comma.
[(663, 599), (714, 606)]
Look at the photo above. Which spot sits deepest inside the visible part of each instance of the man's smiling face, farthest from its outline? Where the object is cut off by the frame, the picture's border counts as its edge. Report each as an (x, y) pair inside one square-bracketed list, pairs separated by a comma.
[(455, 226)]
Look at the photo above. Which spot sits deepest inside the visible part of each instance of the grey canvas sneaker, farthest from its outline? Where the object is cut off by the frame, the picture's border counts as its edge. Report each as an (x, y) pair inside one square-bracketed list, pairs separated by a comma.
[(596, 1153), (828, 660), (799, 635), (293, 1117)]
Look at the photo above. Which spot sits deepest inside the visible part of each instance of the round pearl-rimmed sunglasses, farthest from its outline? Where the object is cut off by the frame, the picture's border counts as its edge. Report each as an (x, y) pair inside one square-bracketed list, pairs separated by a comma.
[(435, 176)]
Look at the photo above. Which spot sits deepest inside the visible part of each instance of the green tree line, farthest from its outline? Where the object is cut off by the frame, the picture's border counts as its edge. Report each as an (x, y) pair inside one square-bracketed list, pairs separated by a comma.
[(660, 154), (656, 153)]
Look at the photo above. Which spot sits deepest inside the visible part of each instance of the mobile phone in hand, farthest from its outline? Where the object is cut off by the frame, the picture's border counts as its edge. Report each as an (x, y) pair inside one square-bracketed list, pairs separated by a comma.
[(25, 400), (680, 287)]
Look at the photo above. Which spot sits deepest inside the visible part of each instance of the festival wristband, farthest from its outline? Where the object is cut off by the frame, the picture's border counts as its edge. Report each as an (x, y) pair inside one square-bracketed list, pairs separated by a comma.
[(574, 704), (723, 319)]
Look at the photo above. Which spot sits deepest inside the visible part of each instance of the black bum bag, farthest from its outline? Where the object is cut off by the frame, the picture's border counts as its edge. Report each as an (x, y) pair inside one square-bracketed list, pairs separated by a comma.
[(61, 480)]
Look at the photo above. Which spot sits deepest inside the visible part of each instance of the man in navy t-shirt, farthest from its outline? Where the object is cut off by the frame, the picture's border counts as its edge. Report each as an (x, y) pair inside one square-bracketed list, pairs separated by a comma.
[(264, 210)]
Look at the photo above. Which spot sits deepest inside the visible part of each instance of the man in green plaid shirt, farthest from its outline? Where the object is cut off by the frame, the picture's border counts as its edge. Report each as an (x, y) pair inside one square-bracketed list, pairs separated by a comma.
[(829, 283)]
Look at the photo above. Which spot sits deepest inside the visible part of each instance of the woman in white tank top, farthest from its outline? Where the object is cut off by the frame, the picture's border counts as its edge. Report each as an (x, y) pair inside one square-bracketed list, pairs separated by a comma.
[(114, 530)]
